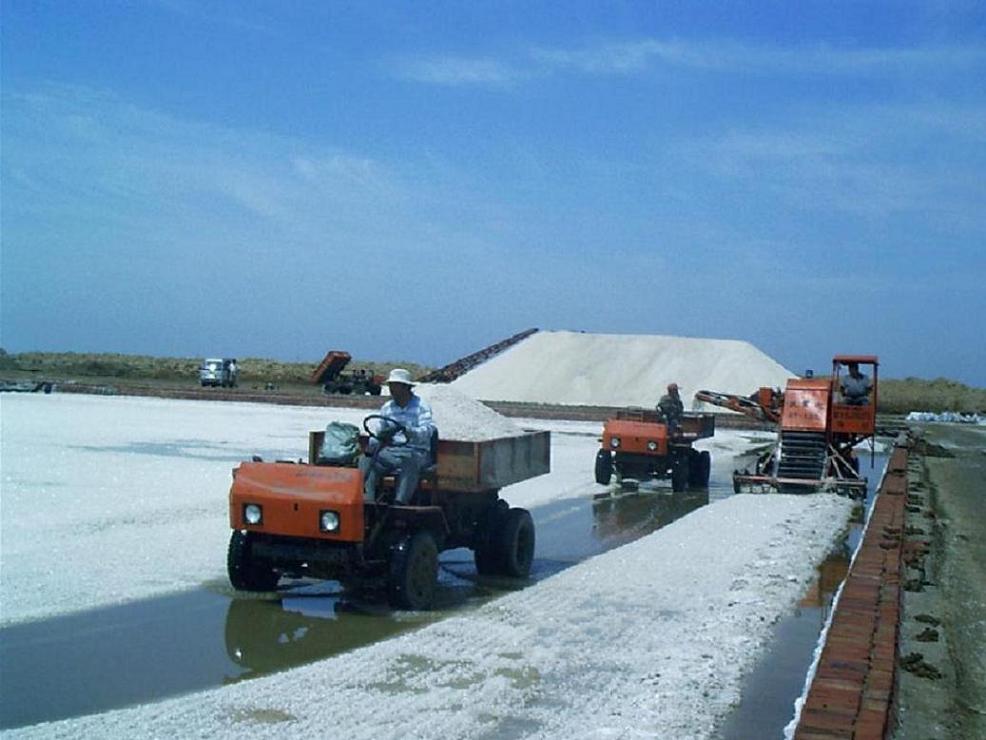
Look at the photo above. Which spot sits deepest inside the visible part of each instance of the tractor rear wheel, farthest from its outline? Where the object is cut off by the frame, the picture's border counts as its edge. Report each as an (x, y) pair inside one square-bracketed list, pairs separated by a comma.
[(514, 540), (700, 469), (485, 548), (486, 562), (245, 573), (694, 467), (414, 572), (604, 467)]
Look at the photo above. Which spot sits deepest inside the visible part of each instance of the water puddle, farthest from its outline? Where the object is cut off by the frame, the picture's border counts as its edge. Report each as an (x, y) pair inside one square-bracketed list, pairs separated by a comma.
[(192, 449), (767, 702), (148, 650)]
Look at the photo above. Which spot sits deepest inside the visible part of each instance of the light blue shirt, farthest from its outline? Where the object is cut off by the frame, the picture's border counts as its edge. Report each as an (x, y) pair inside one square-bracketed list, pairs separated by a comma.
[(416, 418), (856, 389)]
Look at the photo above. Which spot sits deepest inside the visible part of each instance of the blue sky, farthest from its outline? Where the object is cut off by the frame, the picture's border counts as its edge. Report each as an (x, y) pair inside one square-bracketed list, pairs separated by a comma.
[(413, 181)]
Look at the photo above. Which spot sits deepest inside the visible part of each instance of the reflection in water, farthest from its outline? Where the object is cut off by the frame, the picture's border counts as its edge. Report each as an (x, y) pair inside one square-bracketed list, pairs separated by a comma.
[(627, 517), (267, 636), (773, 685), (161, 647), (194, 449), (831, 572), (91, 661)]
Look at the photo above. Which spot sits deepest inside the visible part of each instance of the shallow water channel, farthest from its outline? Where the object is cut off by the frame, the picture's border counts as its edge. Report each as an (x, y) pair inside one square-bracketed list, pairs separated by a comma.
[(149, 650), (769, 692)]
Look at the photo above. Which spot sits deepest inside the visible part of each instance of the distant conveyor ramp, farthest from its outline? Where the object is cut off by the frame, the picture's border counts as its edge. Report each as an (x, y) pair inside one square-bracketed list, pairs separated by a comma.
[(461, 366)]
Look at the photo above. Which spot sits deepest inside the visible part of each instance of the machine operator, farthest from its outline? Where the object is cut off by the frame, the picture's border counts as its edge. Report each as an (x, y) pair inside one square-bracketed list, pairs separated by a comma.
[(395, 452), (855, 387), (671, 407)]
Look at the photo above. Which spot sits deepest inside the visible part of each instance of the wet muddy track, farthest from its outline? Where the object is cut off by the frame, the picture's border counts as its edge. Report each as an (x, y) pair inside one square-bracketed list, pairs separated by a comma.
[(148, 650)]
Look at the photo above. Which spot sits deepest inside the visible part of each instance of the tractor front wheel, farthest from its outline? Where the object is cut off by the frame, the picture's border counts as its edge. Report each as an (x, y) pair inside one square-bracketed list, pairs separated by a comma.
[(679, 473), (604, 467), (414, 572), (245, 573)]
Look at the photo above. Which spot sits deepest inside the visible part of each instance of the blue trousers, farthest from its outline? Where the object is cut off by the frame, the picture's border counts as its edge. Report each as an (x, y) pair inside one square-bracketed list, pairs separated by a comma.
[(404, 462)]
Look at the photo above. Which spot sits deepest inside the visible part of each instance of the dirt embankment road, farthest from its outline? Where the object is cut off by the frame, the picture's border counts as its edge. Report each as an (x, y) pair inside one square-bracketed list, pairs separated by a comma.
[(942, 689)]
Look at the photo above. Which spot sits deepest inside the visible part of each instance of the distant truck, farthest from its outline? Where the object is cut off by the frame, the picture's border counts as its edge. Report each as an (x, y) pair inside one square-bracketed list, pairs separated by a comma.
[(222, 372), (310, 520), (331, 374), (639, 444)]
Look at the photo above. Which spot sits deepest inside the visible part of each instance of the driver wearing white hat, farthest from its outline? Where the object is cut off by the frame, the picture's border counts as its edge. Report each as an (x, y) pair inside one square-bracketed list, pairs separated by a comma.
[(400, 450)]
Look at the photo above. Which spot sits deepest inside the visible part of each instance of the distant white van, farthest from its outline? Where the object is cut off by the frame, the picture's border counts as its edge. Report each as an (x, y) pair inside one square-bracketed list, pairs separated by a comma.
[(218, 371)]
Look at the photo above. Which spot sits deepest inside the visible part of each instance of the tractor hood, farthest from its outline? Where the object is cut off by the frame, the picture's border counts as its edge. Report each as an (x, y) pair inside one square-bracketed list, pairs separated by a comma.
[(292, 498)]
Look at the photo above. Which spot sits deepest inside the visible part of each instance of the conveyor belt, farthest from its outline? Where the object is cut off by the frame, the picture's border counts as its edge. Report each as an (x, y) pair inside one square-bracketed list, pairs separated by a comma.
[(803, 457), (453, 370)]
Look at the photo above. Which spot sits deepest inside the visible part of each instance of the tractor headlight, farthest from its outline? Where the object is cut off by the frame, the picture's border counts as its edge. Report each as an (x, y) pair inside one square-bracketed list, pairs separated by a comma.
[(328, 521), (614, 442), (652, 446), (253, 513)]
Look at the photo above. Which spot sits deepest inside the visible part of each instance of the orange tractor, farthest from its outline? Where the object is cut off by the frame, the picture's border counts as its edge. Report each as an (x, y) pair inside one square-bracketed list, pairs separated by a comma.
[(640, 444), (334, 378), (820, 423), (310, 520)]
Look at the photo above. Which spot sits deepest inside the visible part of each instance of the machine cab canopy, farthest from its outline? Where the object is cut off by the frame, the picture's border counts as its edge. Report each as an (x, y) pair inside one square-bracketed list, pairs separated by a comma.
[(854, 414), (858, 359)]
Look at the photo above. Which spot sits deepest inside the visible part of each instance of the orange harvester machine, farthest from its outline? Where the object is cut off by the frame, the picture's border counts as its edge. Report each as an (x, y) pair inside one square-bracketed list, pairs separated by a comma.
[(818, 431)]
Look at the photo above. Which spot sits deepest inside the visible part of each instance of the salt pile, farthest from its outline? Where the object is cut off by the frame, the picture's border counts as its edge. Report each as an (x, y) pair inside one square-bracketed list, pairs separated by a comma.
[(575, 368), (458, 416), (948, 417)]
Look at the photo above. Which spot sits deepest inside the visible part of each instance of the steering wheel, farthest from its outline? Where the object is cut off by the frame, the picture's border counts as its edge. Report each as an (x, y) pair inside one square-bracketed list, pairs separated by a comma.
[(382, 435)]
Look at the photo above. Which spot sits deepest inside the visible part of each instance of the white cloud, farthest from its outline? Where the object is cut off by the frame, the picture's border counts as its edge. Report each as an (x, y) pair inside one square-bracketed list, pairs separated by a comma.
[(200, 13), (873, 160), (713, 55), (76, 145), (457, 71)]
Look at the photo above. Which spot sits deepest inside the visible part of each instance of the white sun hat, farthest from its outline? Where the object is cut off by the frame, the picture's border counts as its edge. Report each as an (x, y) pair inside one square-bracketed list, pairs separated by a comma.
[(400, 375)]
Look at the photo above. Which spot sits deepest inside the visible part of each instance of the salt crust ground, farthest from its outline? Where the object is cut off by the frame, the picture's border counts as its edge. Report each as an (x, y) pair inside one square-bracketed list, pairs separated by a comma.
[(649, 640), (575, 368)]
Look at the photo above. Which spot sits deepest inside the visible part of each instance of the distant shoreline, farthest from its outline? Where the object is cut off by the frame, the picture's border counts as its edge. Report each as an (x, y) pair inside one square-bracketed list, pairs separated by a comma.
[(274, 380)]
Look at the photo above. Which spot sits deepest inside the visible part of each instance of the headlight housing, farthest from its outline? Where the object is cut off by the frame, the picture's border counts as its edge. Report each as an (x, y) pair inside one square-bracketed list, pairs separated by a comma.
[(253, 514), (328, 521), (652, 446), (614, 442)]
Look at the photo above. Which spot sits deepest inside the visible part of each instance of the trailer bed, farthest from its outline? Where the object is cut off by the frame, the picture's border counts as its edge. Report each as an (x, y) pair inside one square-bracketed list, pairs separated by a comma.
[(481, 465)]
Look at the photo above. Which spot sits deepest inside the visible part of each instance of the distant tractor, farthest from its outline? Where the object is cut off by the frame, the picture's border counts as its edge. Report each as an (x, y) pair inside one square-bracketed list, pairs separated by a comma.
[(820, 422), (334, 379), (311, 520), (641, 445)]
